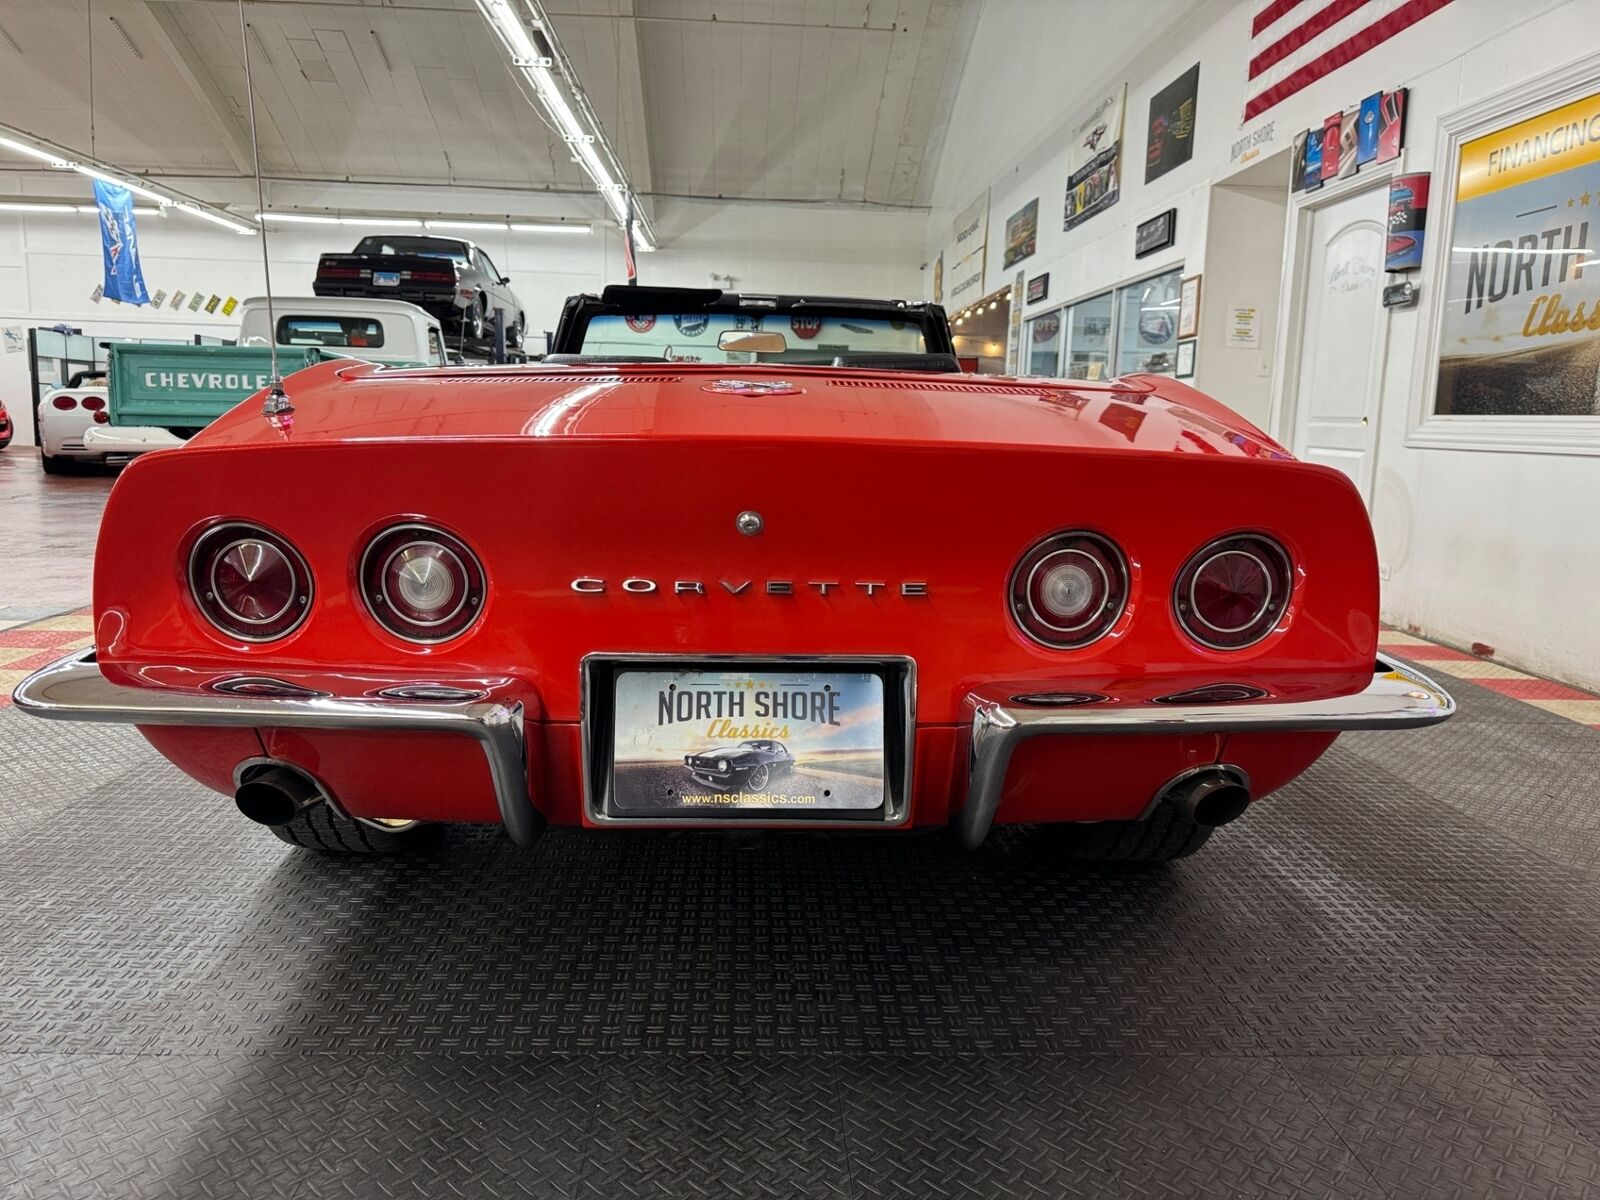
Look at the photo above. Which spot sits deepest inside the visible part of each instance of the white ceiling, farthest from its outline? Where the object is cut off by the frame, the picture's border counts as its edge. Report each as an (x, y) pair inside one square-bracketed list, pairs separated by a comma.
[(812, 100)]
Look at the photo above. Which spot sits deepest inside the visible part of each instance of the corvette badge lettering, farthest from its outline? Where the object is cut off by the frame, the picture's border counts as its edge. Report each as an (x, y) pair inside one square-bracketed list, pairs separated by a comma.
[(594, 585)]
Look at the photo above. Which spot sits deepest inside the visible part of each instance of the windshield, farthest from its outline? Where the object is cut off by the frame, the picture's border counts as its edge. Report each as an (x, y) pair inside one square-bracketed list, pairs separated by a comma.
[(693, 337), (426, 247), (357, 332)]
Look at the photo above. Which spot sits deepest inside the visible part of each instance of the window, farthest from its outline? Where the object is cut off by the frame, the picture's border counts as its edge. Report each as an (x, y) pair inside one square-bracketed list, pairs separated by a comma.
[(428, 247), (1044, 342), (436, 347), (356, 333), (1089, 338), (1147, 325), (489, 268)]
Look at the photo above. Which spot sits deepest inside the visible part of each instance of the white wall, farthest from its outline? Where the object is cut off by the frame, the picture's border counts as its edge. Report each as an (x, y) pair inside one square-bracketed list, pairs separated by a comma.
[(49, 264), (1483, 546)]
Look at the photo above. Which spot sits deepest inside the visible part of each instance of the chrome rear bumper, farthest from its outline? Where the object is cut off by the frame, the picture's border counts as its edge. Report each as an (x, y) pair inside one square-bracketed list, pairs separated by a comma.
[(73, 689), (1397, 698)]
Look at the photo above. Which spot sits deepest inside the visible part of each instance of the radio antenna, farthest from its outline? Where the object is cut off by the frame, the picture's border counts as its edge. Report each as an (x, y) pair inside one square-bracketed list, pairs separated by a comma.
[(277, 402)]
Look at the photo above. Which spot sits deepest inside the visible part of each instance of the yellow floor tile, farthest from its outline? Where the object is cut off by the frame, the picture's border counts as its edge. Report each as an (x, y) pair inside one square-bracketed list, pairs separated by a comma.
[(1586, 712), (74, 620), (1393, 637), (1475, 668)]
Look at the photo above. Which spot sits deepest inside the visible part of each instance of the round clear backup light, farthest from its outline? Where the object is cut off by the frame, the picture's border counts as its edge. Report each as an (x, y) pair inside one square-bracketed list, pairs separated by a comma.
[(421, 583), (1069, 589), (1232, 593), (249, 582)]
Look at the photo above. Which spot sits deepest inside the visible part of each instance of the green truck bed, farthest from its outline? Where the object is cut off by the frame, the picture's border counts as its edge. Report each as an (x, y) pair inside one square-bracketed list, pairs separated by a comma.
[(185, 388)]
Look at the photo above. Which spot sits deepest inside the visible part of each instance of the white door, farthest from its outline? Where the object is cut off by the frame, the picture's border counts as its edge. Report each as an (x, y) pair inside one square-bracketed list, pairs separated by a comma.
[(1342, 331)]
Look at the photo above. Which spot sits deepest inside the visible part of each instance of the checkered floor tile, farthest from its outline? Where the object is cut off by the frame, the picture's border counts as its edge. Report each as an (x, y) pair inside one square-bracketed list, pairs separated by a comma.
[(1580, 706), (26, 648)]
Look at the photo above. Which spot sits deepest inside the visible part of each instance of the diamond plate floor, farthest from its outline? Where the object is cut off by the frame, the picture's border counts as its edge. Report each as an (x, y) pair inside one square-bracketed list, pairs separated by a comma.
[(1383, 983)]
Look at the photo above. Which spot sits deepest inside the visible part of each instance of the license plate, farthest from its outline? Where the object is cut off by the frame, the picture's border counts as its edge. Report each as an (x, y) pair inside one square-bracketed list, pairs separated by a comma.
[(386, 278), (709, 743)]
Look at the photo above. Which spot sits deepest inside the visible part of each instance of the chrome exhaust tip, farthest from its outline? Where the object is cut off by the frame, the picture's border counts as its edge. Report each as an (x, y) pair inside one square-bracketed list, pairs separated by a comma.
[(1213, 797), (275, 795)]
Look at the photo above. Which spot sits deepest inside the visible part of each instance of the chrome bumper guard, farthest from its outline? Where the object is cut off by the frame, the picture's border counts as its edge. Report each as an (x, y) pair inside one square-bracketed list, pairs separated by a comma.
[(73, 689), (1397, 698)]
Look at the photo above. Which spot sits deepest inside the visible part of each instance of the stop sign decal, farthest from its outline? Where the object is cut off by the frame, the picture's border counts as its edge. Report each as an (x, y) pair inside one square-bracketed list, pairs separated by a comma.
[(806, 327)]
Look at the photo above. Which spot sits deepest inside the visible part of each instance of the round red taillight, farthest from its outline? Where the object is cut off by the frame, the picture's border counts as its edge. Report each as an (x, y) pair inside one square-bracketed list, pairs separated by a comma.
[(1232, 593), (249, 582), (421, 583), (93, 403), (102, 418), (64, 403), (1069, 589)]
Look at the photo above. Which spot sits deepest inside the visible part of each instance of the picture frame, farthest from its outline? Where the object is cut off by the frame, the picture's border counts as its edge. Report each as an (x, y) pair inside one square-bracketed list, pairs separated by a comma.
[(1183, 368), (1189, 307)]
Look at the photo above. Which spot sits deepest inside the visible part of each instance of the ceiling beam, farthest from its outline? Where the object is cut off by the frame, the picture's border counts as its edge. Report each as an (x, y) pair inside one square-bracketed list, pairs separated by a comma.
[(635, 113), (180, 52)]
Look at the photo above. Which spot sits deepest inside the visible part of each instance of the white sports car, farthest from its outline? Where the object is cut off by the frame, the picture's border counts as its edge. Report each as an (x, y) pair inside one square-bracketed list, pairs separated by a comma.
[(64, 414)]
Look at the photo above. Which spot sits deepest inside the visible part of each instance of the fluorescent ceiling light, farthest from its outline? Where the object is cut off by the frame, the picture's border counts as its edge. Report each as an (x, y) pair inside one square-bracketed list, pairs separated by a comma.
[(135, 188), (500, 225), (298, 218), (49, 156), (547, 227), (216, 218), (385, 222), (10, 206)]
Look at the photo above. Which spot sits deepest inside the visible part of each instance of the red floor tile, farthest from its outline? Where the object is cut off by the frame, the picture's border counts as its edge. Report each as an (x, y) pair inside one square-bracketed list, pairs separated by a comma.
[(42, 638), (1533, 689), (1431, 653)]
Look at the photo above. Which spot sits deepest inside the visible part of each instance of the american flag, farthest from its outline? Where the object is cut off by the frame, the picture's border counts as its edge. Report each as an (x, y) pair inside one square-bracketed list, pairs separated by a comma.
[(1294, 43)]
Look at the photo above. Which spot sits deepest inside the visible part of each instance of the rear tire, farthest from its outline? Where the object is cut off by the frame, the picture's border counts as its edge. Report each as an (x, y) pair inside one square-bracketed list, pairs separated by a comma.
[(1167, 834), (54, 464), (476, 320), (515, 334), (320, 828)]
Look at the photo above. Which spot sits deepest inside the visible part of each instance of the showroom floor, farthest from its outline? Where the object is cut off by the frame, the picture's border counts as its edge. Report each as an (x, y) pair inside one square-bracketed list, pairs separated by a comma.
[(1385, 982)]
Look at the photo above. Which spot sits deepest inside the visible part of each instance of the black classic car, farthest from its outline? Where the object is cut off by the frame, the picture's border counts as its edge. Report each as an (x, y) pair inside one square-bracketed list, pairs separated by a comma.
[(749, 766), (450, 278)]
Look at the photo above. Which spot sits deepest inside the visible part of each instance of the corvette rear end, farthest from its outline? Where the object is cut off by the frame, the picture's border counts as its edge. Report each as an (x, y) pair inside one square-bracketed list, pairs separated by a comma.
[(533, 596)]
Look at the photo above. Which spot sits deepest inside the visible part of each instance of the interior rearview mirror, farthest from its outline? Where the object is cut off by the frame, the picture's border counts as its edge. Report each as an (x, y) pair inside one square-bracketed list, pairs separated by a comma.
[(752, 341)]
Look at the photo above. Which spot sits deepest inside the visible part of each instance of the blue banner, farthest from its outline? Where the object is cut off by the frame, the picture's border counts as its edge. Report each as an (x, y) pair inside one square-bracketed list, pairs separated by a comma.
[(119, 244)]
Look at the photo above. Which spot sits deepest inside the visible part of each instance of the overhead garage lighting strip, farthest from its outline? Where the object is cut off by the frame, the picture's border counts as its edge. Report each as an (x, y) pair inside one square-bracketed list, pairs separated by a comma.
[(462, 223), (62, 159), (573, 117)]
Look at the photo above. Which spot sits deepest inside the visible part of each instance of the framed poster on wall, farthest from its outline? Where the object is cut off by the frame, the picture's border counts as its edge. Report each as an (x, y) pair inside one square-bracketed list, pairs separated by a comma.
[(1022, 233), (1189, 307), (1520, 326), (1094, 160)]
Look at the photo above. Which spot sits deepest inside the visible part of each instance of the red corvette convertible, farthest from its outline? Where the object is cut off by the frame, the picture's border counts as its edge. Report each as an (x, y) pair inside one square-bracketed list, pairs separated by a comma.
[(531, 595)]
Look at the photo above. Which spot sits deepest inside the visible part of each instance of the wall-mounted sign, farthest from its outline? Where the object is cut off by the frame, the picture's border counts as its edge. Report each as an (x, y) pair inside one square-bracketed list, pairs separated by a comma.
[(1038, 288), (1094, 160), (1400, 295), (1408, 220), (1169, 135), (1372, 131), (1519, 334), (1159, 232), (1244, 326), (1022, 233), (960, 268), (1248, 148), (1184, 367)]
